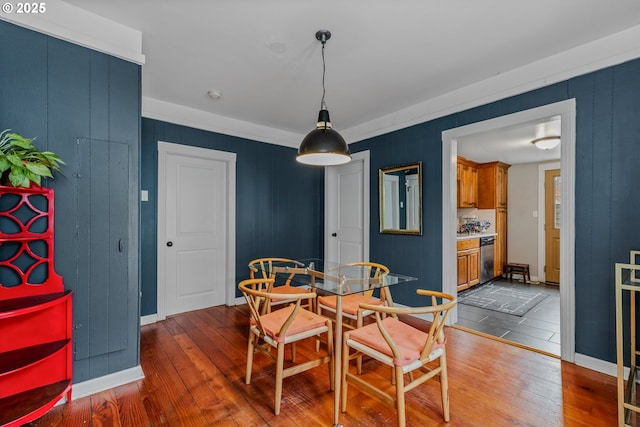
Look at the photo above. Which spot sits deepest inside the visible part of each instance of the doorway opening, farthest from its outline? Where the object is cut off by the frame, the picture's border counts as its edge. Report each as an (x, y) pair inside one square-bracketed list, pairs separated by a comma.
[(565, 110)]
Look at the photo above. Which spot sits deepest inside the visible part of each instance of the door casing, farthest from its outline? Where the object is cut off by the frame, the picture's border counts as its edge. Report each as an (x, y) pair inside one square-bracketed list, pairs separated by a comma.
[(567, 110), (165, 148)]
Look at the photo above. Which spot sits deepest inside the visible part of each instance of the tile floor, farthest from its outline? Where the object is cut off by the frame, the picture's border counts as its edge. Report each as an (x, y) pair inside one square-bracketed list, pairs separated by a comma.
[(538, 329)]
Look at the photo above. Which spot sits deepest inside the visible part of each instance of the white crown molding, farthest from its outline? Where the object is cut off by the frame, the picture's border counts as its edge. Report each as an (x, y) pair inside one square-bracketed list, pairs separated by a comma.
[(605, 52), (179, 114), (70, 23)]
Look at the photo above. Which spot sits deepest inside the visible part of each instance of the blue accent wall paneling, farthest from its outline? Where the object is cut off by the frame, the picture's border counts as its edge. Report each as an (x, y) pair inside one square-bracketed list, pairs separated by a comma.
[(61, 94), (607, 210), (279, 202)]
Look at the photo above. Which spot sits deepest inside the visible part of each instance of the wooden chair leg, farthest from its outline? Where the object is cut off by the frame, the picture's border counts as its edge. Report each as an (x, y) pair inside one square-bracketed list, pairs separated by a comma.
[(359, 357), (250, 351), (279, 377), (400, 396), (318, 311), (293, 352), (332, 360), (345, 369), (444, 386)]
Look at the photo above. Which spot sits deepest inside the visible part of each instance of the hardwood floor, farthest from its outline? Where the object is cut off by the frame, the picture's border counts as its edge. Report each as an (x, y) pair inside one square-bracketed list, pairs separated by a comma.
[(194, 366)]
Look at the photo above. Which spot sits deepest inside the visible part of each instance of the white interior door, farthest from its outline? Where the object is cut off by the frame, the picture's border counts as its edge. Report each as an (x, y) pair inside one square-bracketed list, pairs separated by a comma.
[(347, 210), (194, 231)]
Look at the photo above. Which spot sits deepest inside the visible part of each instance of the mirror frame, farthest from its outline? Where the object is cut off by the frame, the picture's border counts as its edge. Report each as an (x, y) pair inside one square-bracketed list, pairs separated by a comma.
[(382, 199)]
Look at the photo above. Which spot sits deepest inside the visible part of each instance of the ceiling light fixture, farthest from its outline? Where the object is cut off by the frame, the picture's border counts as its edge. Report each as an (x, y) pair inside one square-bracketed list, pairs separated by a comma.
[(323, 146), (547, 142)]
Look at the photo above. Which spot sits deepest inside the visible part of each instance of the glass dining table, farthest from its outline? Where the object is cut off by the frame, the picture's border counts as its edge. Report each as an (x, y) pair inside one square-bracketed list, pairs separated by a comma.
[(332, 278)]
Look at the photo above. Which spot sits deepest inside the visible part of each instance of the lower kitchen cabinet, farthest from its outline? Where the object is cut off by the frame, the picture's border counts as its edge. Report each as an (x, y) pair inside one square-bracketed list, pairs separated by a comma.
[(468, 263)]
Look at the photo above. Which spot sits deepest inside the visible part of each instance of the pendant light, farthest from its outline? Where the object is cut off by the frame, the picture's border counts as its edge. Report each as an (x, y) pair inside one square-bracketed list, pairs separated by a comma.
[(323, 146)]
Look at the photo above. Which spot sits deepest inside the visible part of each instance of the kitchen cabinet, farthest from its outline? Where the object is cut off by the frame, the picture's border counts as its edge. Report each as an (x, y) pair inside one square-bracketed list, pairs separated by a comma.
[(492, 185), (492, 194), (467, 181), (468, 263)]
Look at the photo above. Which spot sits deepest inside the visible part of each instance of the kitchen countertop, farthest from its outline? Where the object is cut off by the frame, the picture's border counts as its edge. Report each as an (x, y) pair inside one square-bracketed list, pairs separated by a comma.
[(466, 236)]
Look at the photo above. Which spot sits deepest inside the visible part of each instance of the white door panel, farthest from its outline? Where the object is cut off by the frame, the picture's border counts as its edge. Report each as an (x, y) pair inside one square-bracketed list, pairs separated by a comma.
[(193, 228), (347, 210), (196, 225)]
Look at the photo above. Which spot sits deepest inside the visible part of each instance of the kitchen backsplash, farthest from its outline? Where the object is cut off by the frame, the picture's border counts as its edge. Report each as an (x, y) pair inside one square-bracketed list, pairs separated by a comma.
[(482, 214)]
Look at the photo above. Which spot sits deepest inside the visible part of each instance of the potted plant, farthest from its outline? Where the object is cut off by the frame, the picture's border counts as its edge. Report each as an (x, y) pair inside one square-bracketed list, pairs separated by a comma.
[(21, 163)]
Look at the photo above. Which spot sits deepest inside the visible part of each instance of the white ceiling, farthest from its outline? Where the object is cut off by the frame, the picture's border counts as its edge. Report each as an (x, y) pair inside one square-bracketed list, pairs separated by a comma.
[(383, 57), (512, 145)]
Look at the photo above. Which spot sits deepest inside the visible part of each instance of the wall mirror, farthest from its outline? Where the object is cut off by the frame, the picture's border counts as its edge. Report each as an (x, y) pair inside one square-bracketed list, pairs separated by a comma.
[(401, 199)]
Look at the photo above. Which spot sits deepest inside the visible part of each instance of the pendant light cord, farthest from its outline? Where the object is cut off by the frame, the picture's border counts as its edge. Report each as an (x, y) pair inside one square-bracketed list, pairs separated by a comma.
[(322, 104)]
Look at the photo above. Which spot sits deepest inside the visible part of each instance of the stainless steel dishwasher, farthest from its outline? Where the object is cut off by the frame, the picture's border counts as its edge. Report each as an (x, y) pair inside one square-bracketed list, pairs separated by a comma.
[(486, 258)]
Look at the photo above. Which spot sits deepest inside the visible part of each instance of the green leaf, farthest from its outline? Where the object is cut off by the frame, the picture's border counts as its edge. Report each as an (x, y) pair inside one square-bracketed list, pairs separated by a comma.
[(18, 178), (14, 159), (22, 143), (33, 177), (4, 164), (38, 169)]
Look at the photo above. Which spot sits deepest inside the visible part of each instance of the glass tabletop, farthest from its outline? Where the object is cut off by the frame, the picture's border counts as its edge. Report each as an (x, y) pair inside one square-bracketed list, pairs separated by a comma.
[(332, 277)]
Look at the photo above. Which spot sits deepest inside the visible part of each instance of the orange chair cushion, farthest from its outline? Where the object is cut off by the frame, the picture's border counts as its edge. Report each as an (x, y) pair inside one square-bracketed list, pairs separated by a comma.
[(304, 321), (410, 341), (290, 290), (350, 303)]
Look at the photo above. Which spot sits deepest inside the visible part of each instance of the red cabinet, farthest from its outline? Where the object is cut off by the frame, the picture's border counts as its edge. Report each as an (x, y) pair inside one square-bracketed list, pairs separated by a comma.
[(35, 311)]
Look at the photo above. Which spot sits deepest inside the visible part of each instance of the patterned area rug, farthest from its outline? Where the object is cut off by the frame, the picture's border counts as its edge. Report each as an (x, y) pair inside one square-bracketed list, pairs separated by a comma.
[(506, 297)]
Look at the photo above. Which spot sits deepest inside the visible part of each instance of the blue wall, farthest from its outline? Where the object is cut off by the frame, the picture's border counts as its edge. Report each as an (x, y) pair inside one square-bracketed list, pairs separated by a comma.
[(607, 208), (279, 202), (60, 93)]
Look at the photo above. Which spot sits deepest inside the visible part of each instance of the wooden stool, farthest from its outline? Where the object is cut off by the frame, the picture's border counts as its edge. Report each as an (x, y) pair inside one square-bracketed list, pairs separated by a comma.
[(514, 267)]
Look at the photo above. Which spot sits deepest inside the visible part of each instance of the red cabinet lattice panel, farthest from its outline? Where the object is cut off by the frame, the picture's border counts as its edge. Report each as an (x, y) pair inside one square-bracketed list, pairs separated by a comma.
[(35, 310)]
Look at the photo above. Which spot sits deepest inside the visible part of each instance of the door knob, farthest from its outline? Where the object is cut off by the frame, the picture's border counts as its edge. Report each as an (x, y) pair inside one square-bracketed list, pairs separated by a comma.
[(169, 243), (334, 234)]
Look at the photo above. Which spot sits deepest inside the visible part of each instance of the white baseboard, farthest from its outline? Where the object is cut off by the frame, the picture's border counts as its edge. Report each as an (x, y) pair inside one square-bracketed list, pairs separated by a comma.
[(598, 365), (106, 382), (149, 319), (153, 318)]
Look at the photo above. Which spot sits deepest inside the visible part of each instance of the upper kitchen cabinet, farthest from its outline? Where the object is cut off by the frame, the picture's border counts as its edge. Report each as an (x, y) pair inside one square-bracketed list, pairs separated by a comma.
[(492, 191), (467, 179)]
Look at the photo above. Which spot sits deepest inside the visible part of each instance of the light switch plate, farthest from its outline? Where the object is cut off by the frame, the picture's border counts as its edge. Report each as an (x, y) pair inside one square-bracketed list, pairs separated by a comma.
[(144, 195)]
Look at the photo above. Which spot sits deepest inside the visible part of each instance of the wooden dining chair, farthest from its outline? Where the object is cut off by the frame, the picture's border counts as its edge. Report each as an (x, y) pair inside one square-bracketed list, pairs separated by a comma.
[(406, 349), (263, 267), (353, 317), (351, 302), (281, 327)]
